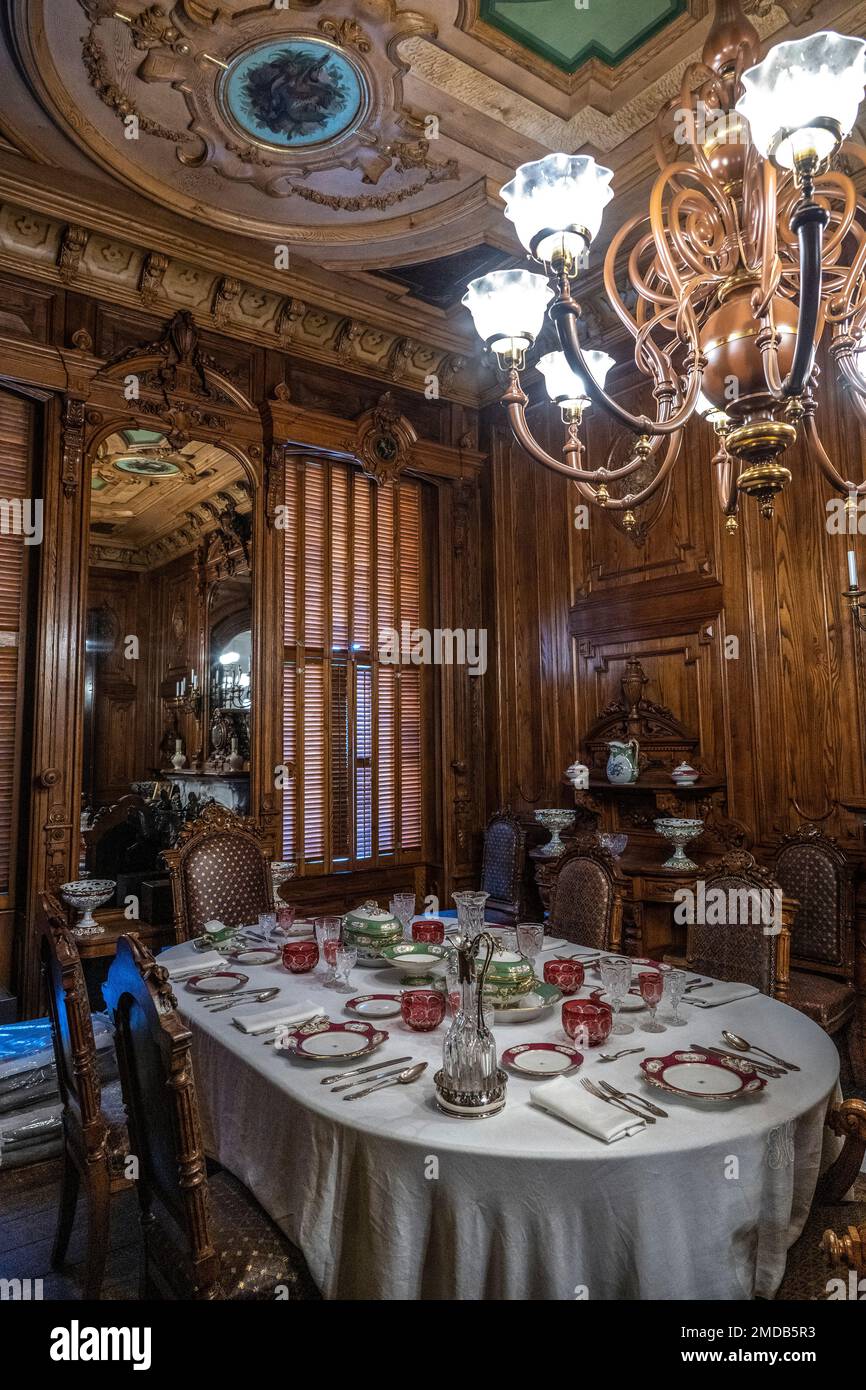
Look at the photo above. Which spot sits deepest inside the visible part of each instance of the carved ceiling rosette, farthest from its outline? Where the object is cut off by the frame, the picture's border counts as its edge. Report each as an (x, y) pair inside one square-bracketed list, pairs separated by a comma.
[(225, 109)]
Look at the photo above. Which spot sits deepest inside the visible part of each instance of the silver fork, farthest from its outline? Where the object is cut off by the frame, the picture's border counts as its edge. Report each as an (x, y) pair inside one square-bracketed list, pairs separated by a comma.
[(638, 1100), (623, 1105)]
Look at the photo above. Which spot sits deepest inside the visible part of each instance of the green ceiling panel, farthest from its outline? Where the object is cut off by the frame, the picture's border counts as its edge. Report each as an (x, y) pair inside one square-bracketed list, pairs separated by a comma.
[(568, 33)]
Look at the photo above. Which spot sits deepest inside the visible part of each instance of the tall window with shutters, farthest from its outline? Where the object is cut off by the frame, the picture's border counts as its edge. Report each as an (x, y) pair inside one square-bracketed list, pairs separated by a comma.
[(17, 423), (352, 723)]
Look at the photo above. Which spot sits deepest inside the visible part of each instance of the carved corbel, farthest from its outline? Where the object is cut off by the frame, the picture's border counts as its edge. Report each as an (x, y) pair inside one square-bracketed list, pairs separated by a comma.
[(152, 275), (400, 358), (72, 246), (449, 369), (348, 336), (225, 295), (289, 319), (275, 480)]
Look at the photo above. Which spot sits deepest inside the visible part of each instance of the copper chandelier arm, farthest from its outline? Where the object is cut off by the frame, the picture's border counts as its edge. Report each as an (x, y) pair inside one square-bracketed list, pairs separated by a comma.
[(564, 313), (526, 439), (636, 499), (831, 473)]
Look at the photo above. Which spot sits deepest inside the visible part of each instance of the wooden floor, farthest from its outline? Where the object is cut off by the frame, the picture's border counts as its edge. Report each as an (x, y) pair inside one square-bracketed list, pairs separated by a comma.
[(28, 1209), (28, 1213)]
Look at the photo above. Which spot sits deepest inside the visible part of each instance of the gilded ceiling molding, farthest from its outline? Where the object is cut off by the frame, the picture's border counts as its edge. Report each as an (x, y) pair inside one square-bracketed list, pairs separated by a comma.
[(34, 245)]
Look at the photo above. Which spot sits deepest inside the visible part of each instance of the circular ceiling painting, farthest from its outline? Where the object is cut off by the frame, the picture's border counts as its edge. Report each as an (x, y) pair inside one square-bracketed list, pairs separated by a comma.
[(290, 94)]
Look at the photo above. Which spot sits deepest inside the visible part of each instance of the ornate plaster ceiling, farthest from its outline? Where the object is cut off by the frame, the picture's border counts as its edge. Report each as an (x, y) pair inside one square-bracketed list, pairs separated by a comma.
[(362, 137), (146, 517)]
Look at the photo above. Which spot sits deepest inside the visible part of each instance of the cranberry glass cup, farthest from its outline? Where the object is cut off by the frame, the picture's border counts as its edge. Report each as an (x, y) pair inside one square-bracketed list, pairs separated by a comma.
[(422, 1009), (567, 975), (286, 918), (651, 986), (300, 956), (587, 1021), (429, 929)]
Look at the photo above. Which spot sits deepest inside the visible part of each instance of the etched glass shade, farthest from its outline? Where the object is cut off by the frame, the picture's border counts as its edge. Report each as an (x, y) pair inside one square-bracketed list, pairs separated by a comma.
[(556, 203), (567, 387), (507, 307), (710, 412), (803, 98)]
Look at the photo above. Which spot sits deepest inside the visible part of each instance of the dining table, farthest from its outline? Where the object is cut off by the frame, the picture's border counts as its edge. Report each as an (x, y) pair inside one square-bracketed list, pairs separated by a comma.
[(390, 1198)]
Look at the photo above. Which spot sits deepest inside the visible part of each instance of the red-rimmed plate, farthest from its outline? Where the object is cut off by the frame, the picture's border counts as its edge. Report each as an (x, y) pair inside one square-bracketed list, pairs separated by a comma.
[(323, 1041), (374, 1005), (695, 1076), (542, 1059), (217, 982)]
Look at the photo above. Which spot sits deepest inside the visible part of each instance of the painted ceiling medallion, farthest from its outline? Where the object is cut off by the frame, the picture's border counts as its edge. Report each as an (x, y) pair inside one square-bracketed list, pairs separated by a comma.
[(290, 93)]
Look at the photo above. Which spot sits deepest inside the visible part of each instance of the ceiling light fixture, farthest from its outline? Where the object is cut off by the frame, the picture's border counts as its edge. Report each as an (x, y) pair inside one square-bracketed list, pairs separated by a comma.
[(754, 242)]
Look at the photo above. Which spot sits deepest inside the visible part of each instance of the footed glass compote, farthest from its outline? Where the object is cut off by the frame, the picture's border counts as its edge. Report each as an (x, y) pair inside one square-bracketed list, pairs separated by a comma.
[(679, 833), (554, 820), (281, 871), (84, 895)]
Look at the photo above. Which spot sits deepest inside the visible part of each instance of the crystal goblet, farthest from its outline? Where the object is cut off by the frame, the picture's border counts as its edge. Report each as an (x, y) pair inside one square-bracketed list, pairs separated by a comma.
[(651, 986), (675, 986), (615, 974), (84, 895)]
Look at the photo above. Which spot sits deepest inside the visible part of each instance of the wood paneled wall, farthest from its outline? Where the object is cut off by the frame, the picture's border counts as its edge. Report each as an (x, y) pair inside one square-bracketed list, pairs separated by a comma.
[(746, 638)]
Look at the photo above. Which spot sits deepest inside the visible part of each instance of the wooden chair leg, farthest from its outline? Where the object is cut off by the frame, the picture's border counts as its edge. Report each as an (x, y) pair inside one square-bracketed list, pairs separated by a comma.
[(98, 1227), (70, 1183), (855, 1043), (849, 1121)]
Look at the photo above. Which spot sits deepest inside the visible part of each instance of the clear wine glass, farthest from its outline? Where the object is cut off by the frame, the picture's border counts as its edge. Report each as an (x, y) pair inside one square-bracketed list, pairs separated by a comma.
[(268, 926), (530, 939), (651, 986), (403, 907), (345, 960), (615, 974), (328, 931), (675, 985)]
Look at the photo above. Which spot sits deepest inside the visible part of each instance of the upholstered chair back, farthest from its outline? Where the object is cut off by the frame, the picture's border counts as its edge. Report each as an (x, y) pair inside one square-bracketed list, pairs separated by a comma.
[(746, 934), (503, 862), (153, 1053), (71, 1024), (587, 897), (220, 871), (812, 868)]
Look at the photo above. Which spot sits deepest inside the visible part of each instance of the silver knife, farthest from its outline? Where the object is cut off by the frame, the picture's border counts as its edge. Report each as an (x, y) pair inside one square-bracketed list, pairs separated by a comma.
[(638, 1100), (762, 1068), (388, 1070), (359, 1071)]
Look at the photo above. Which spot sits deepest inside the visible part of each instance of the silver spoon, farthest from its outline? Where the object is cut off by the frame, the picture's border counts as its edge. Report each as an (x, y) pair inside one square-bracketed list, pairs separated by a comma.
[(260, 998), (403, 1078), (623, 1052), (742, 1046), (217, 1001)]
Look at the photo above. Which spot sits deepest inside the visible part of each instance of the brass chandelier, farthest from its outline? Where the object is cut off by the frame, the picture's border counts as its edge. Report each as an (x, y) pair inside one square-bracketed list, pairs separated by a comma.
[(753, 245)]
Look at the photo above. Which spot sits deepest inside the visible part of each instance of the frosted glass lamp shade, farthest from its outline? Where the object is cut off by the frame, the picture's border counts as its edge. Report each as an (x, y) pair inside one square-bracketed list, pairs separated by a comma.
[(567, 387), (507, 308), (802, 100), (711, 413), (556, 204)]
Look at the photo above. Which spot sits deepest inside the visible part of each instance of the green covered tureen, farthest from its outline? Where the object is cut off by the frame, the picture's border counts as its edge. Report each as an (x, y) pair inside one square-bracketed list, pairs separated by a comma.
[(509, 975), (371, 927)]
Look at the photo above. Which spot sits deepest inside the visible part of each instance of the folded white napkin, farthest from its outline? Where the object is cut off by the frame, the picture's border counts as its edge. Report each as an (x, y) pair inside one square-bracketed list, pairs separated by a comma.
[(568, 1100), (722, 992), (191, 963), (556, 943), (266, 1020)]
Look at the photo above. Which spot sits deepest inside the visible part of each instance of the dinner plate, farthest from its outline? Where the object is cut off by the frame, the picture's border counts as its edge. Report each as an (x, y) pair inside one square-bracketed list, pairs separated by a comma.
[(321, 1040), (542, 1059), (529, 1006), (374, 1005), (255, 955), (696, 1076), (217, 982)]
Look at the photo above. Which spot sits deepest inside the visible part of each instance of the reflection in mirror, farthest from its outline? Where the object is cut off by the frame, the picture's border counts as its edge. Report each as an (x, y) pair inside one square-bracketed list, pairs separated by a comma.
[(169, 595)]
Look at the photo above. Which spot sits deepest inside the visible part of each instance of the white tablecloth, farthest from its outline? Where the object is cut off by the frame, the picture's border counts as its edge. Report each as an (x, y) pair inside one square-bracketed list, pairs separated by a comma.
[(391, 1199)]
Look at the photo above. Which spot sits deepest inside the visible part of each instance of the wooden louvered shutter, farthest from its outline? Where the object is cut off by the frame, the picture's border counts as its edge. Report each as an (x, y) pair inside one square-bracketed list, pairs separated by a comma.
[(17, 422)]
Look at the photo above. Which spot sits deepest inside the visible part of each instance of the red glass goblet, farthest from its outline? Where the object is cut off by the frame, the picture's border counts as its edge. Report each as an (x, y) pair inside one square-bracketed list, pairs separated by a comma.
[(286, 918), (429, 929), (300, 956), (587, 1021), (422, 1009), (567, 975), (651, 983)]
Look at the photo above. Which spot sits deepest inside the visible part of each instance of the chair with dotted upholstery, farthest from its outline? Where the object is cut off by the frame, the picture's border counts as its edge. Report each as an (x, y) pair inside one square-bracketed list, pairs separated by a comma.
[(220, 871)]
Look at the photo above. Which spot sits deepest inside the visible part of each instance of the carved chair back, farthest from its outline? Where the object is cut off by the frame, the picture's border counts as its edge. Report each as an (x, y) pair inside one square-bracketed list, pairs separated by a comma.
[(503, 862), (586, 895), (153, 1053), (812, 868), (220, 870), (745, 935), (71, 1029)]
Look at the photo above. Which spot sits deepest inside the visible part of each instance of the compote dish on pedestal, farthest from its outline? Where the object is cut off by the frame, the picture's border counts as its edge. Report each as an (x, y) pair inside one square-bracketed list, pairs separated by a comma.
[(84, 895), (554, 820), (680, 832)]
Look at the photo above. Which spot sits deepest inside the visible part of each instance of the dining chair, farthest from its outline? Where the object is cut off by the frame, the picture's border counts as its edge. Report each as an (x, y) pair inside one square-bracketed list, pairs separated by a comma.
[(220, 871), (502, 868), (587, 891), (203, 1238), (95, 1139), (812, 868), (747, 936)]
